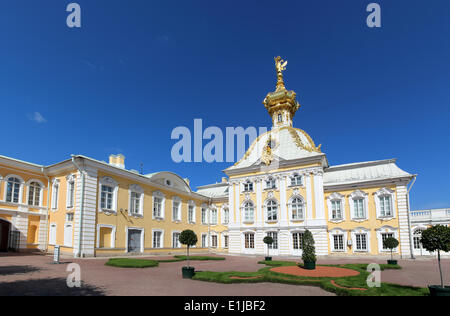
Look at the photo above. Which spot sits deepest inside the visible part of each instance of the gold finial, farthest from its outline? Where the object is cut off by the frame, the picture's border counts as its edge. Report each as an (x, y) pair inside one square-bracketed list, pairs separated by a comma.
[(280, 66)]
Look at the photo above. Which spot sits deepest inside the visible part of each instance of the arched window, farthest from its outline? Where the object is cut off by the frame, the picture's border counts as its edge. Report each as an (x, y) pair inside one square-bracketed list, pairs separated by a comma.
[(249, 211), (272, 210), (297, 208), (34, 194), (13, 190), (280, 118)]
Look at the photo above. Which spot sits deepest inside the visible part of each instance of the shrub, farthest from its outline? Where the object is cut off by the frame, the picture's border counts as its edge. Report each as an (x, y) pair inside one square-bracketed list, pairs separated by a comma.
[(437, 238), (309, 251), (390, 243), (268, 241), (188, 238)]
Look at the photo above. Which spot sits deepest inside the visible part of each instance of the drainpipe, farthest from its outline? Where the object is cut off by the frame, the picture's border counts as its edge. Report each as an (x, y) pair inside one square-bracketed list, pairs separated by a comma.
[(409, 220), (209, 223), (48, 210), (80, 230)]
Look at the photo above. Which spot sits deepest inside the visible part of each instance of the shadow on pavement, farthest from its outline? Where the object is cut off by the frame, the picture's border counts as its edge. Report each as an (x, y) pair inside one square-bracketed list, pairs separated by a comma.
[(46, 287), (8, 270)]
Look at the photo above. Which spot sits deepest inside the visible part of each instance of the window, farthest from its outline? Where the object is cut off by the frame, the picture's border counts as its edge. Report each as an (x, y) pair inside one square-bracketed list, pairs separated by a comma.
[(214, 241), (135, 203), (225, 241), (338, 242), (280, 118), (249, 241), (358, 207), (336, 209), (385, 206), (204, 216), (176, 211), (69, 217), (384, 236), (274, 236), (107, 195), (13, 190), (297, 240), (191, 218), (157, 239), (361, 242), (297, 209), (296, 180), (70, 193), (34, 194), (55, 195), (175, 240), (272, 211), (204, 239), (226, 216), (270, 183), (68, 235), (248, 212), (157, 207), (214, 216), (248, 186), (52, 234), (417, 237)]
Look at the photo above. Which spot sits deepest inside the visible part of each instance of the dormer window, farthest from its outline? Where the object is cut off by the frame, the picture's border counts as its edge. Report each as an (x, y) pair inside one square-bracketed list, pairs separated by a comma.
[(248, 186), (296, 180), (270, 183)]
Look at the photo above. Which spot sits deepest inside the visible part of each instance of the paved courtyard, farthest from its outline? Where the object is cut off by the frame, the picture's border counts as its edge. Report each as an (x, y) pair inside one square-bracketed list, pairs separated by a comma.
[(36, 275)]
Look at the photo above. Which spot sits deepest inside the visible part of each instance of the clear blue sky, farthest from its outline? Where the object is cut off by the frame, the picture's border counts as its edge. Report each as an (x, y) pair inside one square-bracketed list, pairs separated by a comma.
[(139, 68)]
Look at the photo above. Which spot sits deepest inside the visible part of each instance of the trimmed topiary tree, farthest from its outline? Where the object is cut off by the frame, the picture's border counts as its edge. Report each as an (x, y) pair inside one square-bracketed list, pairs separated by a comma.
[(390, 243), (268, 241), (188, 238), (437, 238), (309, 251)]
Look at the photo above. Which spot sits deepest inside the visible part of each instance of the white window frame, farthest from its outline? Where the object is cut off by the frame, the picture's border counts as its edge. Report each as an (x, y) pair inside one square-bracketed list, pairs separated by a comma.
[(273, 180), (70, 195), (41, 192), (225, 240), (290, 208), (386, 230), (52, 239), (178, 245), (248, 208), (244, 241), (21, 184), (293, 180), (205, 236), (276, 240), (225, 214), (341, 232), (358, 194), (360, 230), (56, 190), (68, 238), (266, 210), (382, 193), (217, 240), (108, 181), (158, 194), (113, 235), (214, 216), (335, 196), (136, 189), (161, 238), (204, 210), (191, 204), (176, 199), (248, 186)]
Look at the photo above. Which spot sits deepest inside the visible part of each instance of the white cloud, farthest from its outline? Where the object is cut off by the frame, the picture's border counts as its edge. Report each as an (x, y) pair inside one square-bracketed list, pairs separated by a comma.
[(37, 117)]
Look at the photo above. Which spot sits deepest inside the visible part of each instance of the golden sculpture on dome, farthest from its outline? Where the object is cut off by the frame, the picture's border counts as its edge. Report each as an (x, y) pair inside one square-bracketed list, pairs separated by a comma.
[(280, 66)]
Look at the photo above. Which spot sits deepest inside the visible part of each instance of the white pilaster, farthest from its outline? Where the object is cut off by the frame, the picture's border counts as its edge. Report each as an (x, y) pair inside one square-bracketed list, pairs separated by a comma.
[(309, 203), (318, 195), (259, 211), (402, 207), (283, 203)]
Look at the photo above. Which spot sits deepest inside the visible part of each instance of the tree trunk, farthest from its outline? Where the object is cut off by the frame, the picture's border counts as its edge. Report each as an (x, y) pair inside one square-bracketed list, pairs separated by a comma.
[(391, 255), (440, 269), (188, 256)]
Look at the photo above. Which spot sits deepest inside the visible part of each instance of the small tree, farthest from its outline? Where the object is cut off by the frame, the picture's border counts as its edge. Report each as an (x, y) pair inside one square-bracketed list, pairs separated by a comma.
[(390, 243), (437, 238), (268, 241), (309, 251), (188, 238)]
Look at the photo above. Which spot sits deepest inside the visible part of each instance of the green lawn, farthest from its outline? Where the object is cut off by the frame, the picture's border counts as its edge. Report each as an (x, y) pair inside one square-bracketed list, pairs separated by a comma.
[(144, 263), (359, 281)]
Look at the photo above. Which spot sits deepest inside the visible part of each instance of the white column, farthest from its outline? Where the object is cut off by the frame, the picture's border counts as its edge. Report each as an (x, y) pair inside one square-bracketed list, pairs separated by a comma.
[(402, 208), (318, 195), (237, 192), (259, 212), (283, 207), (309, 203), (231, 206)]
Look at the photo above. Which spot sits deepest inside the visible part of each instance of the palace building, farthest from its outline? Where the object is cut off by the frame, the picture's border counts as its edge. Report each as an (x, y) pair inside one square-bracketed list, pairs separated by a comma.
[(282, 186)]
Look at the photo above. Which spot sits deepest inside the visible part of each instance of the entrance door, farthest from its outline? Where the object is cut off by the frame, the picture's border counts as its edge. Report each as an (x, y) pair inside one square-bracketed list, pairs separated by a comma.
[(4, 235), (134, 240)]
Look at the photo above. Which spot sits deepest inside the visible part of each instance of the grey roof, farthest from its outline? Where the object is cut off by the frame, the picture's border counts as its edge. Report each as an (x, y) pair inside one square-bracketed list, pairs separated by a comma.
[(364, 171), (214, 190)]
